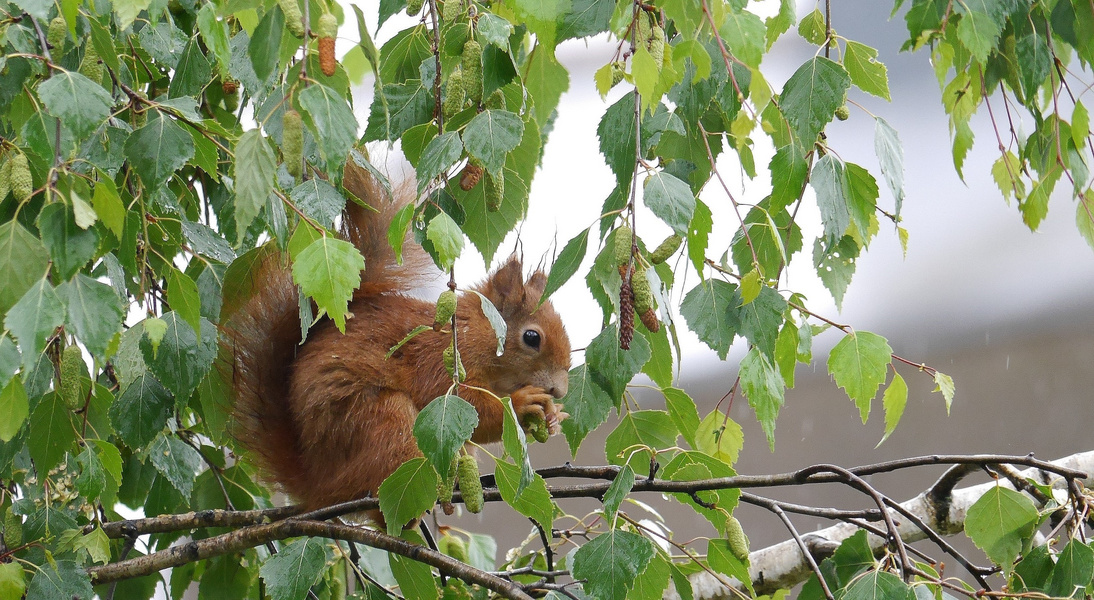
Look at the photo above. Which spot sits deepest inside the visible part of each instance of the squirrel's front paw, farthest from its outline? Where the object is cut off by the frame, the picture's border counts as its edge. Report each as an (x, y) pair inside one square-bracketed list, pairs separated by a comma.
[(534, 405)]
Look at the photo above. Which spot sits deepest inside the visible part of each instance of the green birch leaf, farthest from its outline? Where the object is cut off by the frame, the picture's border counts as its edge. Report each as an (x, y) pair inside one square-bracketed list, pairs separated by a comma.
[(94, 312), (1080, 124), (812, 95), (81, 104), (745, 33), (999, 523), (176, 461), (682, 411), (786, 352), (439, 154), (183, 358), (332, 122), (860, 191), (761, 318), (788, 172), (61, 580), (865, 71), (215, 35), (14, 409), (12, 581), (545, 80), (9, 359), (944, 383), (23, 262), (616, 132), (407, 493), (617, 491), (290, 573), (1073, 571), (329, 270), (192, 74), (719, 437), (978, 32), (141, 410), (1084, 218), (612, 366), (653, 429), (415, 578), (878, 584), (319, 200), (858, 364), (588, 405), (653, 581), (33, 319), (442, 427), (893, 401), (447, 239), (836, 265), (515, 443), (491, 135), (255, 172), (827, 181), (534, 502), (182, 296), (890, 155), (610, 563), (264, 46), (722, 560), (763, 386), (69, 246), (781, 22), (708, 309), (159, 149), (567, 263), (671, 199), (108, 205), (812, 28), (51, 432), (92, 478)]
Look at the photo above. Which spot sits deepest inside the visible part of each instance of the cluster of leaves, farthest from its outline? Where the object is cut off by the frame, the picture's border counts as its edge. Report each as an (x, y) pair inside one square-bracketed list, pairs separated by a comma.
[(151, 149), (1024, 51)]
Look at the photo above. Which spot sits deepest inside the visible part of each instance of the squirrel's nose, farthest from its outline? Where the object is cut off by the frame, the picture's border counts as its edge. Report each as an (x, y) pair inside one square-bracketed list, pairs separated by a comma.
[(560, 388)]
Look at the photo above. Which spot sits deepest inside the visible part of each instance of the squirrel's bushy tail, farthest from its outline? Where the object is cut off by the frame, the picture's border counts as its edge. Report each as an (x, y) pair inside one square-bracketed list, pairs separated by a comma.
[(262, 331)]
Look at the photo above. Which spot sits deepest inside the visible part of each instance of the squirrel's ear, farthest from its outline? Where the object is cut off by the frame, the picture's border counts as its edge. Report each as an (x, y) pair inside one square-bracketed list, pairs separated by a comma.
[(537, 282), (505, 287)]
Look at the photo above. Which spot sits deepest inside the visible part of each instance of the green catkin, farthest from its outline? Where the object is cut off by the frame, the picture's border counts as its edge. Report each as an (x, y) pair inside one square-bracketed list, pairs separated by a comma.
[(292, 143), (452, 362), (327, 26), (455, 95), (56, 34), (537, 426), (446, 307), (471, 63), (294, 19), (643, 295), (13, 529), (5, 179), (454, 547), (72, 366), (735, 535), (413, 7), (91, 67), (496, 101), (666, 249), (623, 238), (467, 471), (452, 10), (843, 113), (495, 192), (656, 45), (22, 184)]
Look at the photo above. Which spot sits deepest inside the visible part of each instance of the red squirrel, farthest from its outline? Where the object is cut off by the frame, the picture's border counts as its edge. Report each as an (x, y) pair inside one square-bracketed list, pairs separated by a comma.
[(330, 419)]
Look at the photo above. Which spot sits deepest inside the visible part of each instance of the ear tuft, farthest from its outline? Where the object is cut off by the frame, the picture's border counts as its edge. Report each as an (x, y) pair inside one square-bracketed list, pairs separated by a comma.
[(505, 287)]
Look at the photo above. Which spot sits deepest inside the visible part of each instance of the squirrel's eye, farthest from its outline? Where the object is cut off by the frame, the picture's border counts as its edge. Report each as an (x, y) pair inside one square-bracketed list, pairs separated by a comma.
[(531, 338)]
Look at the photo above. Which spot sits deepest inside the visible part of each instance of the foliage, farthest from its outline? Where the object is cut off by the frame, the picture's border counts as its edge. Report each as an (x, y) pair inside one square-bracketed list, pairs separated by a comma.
[(150, 148)]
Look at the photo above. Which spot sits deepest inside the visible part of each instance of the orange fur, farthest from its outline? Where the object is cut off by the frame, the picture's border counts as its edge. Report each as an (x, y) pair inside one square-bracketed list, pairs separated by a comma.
[(330, 419)]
